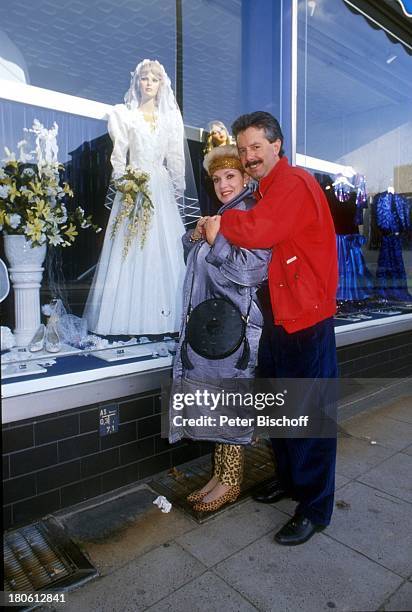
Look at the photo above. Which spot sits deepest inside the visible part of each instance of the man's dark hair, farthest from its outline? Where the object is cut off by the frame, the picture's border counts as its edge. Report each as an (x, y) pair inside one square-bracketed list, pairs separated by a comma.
[(263, 121)]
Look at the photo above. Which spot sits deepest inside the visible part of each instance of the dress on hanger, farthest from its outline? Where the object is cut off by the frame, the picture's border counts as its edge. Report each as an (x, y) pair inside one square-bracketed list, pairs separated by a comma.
[(141, 293), (355, 279), (392, 217)]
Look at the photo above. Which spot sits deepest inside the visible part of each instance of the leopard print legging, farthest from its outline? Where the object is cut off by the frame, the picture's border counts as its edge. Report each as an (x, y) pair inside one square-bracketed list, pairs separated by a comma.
[(228, 464)]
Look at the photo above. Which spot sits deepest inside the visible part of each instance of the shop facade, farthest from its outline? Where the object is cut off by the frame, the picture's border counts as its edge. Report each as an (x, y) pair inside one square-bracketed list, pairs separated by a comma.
[(86, 420)]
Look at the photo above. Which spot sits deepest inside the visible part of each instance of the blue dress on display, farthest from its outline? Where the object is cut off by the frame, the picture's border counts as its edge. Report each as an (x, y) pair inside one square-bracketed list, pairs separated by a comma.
[(392, 216), (355, 279)]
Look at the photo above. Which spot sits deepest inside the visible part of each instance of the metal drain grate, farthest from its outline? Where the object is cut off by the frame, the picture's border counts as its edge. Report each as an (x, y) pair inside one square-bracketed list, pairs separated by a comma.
[(41, 556), (184, 479)]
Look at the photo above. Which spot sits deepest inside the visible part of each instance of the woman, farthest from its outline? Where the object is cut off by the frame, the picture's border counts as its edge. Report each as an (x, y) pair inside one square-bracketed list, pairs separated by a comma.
[(138, 282), (216, 269)]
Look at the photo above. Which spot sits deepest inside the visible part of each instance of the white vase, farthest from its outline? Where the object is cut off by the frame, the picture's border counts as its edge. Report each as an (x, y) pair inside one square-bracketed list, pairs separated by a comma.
[(26, 272)]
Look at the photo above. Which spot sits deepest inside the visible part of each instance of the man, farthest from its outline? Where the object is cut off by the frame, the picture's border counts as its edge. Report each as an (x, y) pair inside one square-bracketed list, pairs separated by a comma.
[(291, 217)]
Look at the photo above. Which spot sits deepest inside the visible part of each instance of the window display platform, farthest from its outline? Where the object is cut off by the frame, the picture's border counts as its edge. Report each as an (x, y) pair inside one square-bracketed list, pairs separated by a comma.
[(83, 378), (42, 370), (379, 325), (76, 370)]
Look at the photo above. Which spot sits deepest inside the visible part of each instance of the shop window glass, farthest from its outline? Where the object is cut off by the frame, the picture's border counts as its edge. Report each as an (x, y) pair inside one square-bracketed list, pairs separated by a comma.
[(229, 69), (355, 110), (85, 49)]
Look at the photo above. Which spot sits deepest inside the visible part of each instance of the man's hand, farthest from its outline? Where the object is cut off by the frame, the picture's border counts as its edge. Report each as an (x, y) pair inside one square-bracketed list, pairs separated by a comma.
[(212, 227)]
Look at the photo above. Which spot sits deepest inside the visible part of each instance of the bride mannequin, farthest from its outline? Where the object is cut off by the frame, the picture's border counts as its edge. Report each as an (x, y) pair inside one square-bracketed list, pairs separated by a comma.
[(140, 291)]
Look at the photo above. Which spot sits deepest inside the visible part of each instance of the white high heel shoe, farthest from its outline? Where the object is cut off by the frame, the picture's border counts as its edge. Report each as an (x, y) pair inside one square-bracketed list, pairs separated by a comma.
[(53, 344), (37, 342)]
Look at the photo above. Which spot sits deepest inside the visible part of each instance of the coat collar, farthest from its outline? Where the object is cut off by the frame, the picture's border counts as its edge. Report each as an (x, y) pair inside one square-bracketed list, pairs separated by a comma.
[(246, 193), (266, 181)]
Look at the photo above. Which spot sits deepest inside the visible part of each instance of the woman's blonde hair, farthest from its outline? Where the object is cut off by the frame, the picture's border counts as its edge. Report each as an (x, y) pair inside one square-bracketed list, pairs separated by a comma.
[(154, 67)]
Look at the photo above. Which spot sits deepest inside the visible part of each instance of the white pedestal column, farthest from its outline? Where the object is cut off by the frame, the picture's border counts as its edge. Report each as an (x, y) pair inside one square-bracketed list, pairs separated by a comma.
[(26, 283), (26, 273)]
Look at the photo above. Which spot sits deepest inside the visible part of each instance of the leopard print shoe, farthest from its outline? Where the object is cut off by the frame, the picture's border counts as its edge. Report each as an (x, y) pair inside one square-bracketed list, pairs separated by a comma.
[(229, 497), (196, 496)]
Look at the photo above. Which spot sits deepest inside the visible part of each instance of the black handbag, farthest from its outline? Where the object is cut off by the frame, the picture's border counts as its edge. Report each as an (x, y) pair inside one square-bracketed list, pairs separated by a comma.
[(215, 329)]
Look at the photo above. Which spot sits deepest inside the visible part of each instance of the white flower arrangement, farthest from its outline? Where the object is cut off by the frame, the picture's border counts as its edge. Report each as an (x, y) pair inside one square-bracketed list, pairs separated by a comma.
[(33, 198)]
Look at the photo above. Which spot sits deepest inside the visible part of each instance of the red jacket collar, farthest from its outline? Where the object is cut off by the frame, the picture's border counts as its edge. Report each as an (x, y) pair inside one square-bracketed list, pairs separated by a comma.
[(268, 180)]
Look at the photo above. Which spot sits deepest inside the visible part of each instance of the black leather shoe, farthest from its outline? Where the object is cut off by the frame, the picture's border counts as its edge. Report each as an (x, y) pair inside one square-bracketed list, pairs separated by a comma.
[(271, 491), (297, 531)]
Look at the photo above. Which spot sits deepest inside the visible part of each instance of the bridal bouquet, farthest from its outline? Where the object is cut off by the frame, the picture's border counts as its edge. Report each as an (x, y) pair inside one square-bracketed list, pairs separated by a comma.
[(136, 207), (34, 202)]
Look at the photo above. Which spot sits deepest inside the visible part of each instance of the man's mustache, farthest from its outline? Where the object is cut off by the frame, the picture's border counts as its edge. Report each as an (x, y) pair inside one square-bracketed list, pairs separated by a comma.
[(254, 161)]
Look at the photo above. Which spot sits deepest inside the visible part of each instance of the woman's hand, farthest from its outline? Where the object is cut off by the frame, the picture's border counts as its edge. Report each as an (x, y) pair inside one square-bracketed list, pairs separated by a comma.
[(199, 231), (212, 228)]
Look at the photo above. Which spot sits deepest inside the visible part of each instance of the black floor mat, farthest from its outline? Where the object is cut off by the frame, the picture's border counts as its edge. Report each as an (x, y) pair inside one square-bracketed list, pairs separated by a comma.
[(183, 479)]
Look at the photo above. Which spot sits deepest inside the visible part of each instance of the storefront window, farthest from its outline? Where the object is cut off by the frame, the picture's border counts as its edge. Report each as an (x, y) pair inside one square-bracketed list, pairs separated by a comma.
[(355, 132), (84, 49), (67, 64)]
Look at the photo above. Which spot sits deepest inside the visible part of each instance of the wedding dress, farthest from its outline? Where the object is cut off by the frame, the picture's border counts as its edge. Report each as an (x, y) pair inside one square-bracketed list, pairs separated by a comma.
[(141, 292)]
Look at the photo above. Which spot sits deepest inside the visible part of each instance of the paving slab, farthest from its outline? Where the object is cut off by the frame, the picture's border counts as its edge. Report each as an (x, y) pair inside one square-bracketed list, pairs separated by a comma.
[(219, 538), (408, 450), (208, 593), (340, 481), (138, 585), (375, 524), (392, 476), (356, 456), (319, 575), (385, 431), (288, 506), (401, 409), (401, 600), (121, 529)]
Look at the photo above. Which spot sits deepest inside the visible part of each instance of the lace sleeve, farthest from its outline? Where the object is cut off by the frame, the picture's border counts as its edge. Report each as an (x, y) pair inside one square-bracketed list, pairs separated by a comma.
[(118, 130), (175, 156)]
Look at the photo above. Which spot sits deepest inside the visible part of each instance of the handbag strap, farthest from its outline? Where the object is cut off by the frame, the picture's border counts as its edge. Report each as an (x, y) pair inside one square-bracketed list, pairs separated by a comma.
[(184, 356), (189, 306)]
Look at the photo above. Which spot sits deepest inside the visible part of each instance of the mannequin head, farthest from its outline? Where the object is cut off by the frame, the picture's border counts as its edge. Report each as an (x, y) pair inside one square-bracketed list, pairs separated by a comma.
[(149, 85), (218, 136), (149, 80)]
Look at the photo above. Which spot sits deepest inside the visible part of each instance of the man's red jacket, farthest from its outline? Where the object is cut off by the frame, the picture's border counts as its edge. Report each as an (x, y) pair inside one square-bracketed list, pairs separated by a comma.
[(292, 217)]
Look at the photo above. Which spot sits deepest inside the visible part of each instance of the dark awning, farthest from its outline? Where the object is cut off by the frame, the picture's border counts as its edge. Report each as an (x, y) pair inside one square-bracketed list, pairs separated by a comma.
[(386, 15)]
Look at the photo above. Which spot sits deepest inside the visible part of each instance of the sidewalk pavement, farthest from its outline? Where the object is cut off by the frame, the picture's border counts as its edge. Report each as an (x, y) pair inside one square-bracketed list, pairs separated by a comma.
[(362, 561)]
